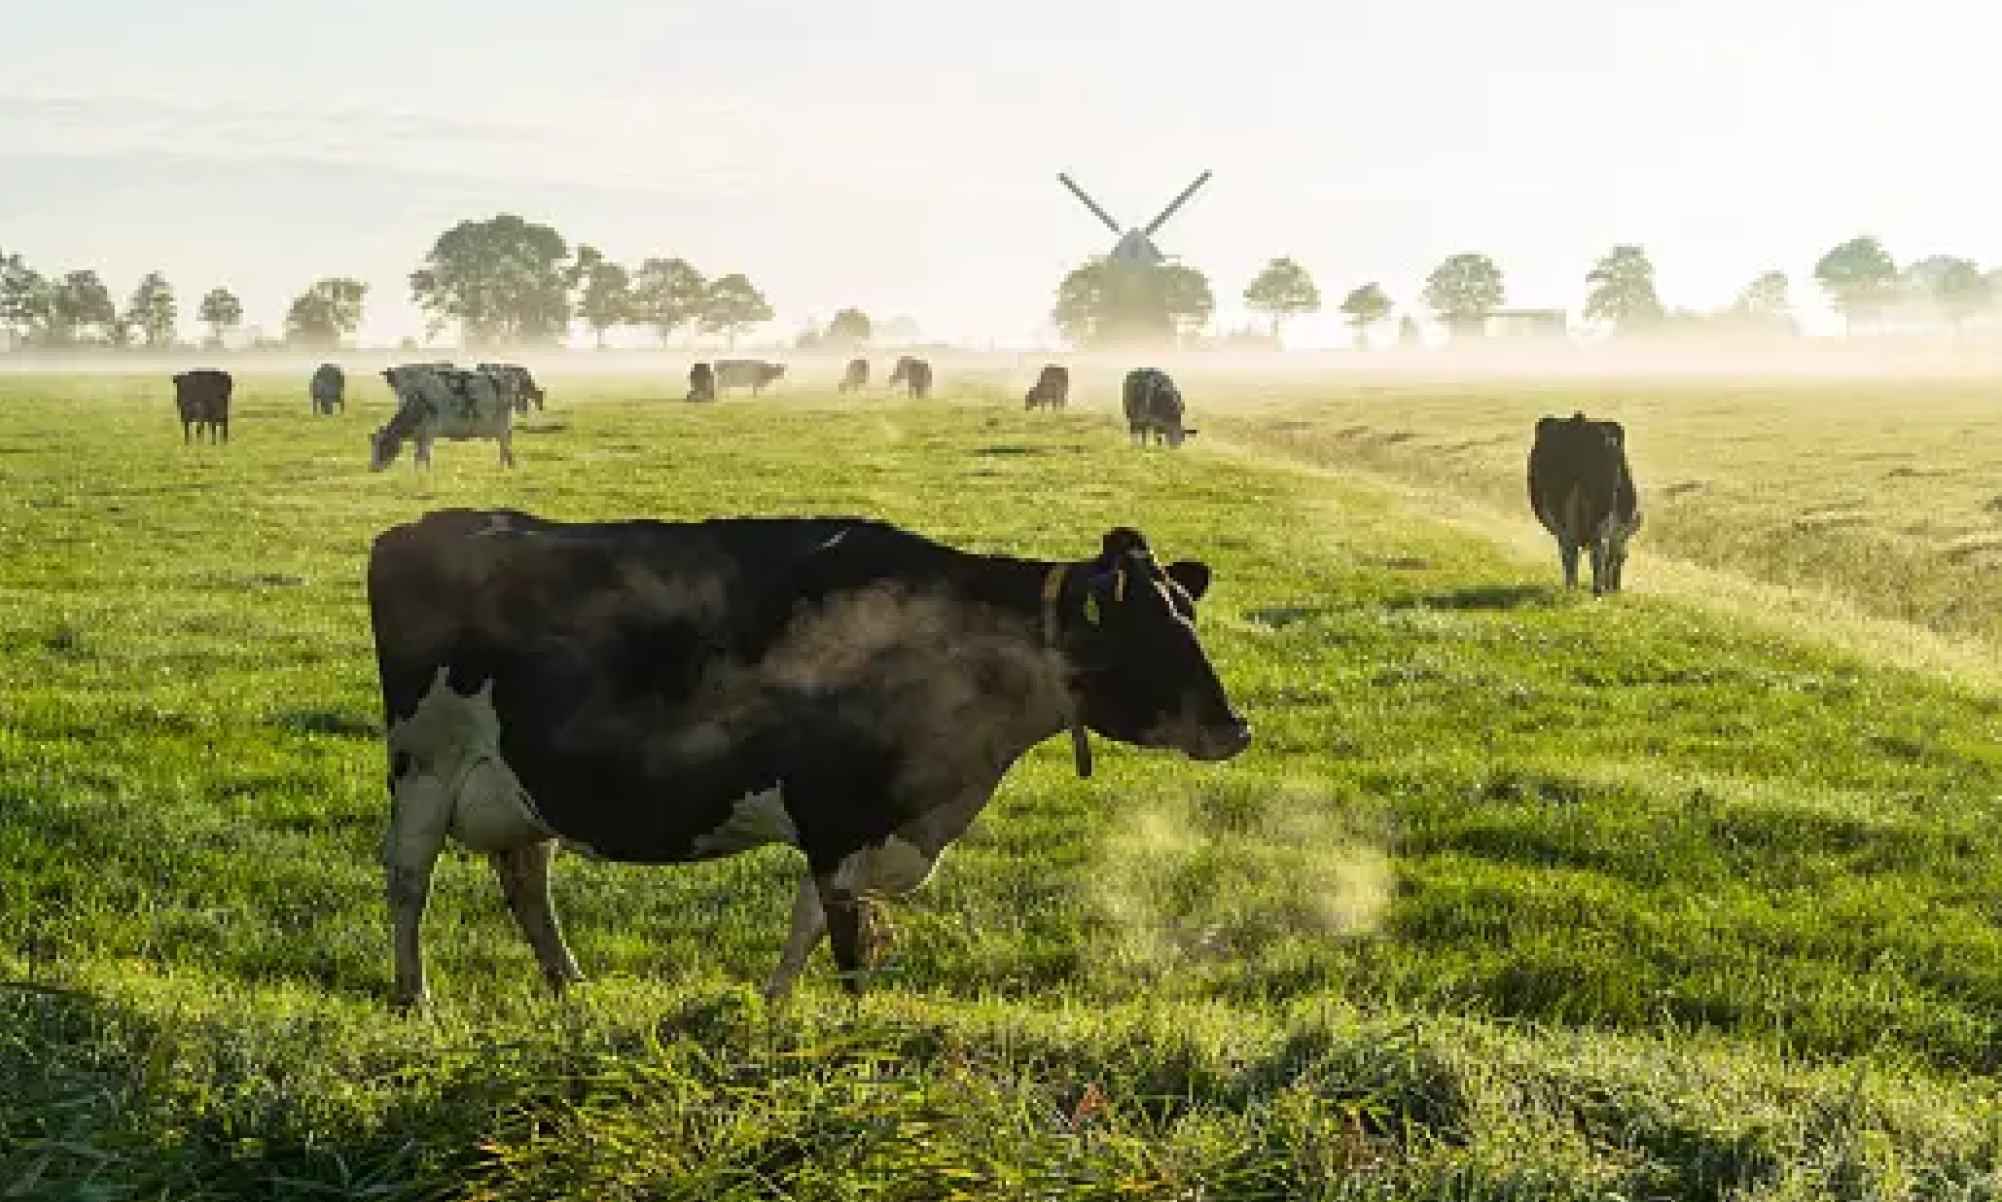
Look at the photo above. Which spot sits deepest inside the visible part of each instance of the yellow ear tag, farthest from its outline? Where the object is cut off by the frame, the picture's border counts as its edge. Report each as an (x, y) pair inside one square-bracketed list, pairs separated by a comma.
[(1091, 608)]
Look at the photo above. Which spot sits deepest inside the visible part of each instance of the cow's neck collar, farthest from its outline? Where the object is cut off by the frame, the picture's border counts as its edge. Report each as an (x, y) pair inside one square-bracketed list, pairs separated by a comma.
[(1053, 590)]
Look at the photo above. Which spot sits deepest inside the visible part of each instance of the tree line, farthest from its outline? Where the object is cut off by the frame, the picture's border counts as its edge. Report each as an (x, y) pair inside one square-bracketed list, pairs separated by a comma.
[(506, 281), (1104, 302), (502, 281)]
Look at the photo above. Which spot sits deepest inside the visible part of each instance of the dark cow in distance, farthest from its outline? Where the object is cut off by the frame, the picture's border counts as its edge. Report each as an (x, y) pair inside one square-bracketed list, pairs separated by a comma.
[(655, 692), (328, 388), (1582, 490), (1052, 390), (914, 374), (701, 383), (754, 374), (1154, 408), (856, 377), (202, 397)]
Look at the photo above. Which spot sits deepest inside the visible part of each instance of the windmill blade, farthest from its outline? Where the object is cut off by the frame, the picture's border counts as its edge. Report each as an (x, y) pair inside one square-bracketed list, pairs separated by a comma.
[(1177, 203), (1089, 203)]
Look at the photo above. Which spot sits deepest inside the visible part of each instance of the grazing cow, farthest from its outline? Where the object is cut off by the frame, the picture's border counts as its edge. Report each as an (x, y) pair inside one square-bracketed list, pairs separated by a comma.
[(1582, 490), (753, 374), (701, 383), (202, 396), (1153, 407), (656, 692), (434, 403), (1052, 390), (856, 378), (328, 388), (519, 386), (914, 374)]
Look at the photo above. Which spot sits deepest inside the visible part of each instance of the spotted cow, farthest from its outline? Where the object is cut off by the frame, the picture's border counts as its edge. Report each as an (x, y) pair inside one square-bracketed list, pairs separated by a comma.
[(450, 403), (1153, 407), (654, 692), (1582, 490)]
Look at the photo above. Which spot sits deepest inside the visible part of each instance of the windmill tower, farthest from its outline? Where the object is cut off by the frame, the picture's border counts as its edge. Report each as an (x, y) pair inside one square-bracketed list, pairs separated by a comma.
[(1135, 304)]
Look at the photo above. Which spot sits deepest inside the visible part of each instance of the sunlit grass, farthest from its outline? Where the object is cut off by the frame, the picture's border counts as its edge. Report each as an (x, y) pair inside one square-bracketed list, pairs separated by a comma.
[(1516, 895)]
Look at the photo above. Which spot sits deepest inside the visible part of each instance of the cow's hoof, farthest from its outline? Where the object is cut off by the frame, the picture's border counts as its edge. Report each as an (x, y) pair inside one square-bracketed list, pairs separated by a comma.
[(414, 1005)]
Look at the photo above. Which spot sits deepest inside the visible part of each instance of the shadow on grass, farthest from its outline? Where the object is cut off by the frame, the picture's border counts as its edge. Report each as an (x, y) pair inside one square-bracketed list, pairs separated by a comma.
[(1483, 597), (326, 722)]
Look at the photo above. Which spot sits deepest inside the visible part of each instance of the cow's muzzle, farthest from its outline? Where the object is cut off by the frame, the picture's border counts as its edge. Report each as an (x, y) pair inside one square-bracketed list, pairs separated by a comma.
[(1211, 740)]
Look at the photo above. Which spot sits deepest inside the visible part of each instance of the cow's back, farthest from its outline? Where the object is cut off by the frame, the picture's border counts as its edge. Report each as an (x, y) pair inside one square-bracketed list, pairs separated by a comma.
[(606, 648), (1578, 474)]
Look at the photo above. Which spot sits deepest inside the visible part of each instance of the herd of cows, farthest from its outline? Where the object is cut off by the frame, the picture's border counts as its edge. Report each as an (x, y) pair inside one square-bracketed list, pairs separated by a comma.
[(669, 692)]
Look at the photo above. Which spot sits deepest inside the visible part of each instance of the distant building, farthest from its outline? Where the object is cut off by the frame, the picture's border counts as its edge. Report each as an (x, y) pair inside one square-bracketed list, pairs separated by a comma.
[(1528, 323)]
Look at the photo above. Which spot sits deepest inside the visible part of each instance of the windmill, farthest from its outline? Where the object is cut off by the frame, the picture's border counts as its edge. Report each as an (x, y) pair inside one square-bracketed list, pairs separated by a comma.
[(1136, 246)]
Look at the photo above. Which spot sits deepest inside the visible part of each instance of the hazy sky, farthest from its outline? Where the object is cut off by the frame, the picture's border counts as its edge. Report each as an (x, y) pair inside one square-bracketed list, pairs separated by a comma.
[(901, 155)]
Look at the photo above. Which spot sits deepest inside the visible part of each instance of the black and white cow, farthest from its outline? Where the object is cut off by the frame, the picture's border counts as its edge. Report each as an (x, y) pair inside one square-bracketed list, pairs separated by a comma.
[(660, 692), (753, 374), (328, 388), (1582, 490), (202, 399), (701, 383), (516, 384), (856, 377), (914, 374), (1052, 390), (450, 403), (1153, 407)]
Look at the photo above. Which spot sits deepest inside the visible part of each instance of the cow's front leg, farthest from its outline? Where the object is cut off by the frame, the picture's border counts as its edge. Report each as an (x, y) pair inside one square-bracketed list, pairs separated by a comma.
[(841, 910), (524, 880), (506, 441), (420, 813), (1599, 573)]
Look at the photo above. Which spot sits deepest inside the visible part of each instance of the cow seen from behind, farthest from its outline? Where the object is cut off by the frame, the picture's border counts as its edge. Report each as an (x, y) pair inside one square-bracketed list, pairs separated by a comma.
[(1154, 408), (1582, 490), (449, 403), (328, 388), (202, 399), (701, 383), (656, 692)]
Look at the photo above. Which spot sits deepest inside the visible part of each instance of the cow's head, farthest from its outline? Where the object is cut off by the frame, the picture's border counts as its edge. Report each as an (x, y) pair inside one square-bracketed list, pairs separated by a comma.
[(1142, 676), (382, 449)]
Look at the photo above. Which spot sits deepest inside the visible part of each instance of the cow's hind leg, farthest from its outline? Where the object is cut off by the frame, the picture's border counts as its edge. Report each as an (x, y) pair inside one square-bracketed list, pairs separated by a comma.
[(809, 923), (524, 880), (1567, 554), (420, 814)]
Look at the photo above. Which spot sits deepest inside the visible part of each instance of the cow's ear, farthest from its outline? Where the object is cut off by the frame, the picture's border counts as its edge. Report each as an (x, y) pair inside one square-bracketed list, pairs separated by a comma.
[(1120, 541), (1193, 575)]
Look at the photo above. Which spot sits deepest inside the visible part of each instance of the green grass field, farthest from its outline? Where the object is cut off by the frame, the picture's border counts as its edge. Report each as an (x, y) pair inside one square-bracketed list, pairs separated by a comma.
[(1691, 893)]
